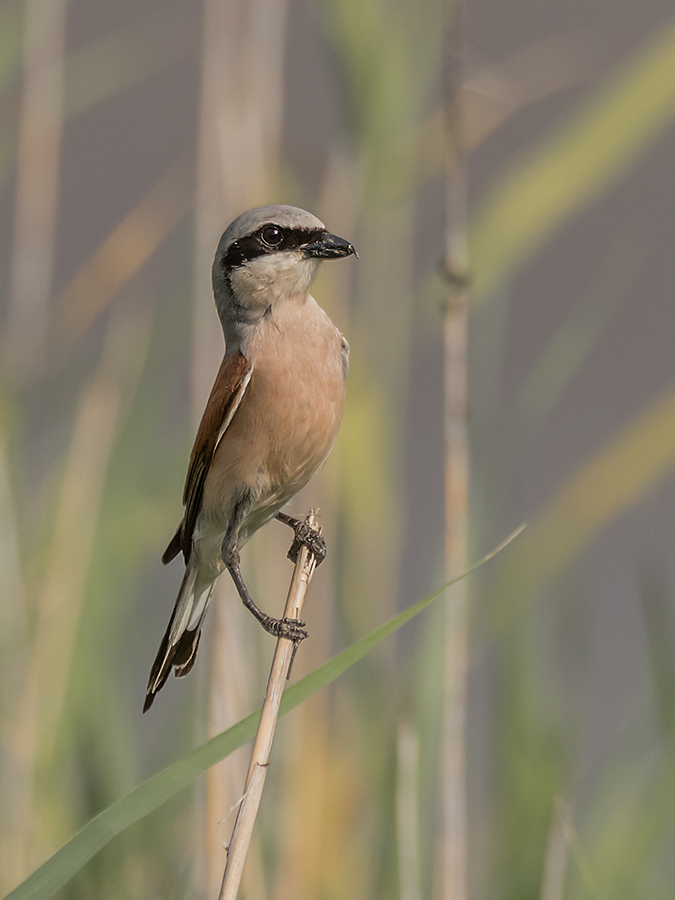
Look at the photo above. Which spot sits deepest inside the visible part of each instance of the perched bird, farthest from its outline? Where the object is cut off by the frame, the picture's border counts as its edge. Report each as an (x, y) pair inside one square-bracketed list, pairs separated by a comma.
[(270, 420)]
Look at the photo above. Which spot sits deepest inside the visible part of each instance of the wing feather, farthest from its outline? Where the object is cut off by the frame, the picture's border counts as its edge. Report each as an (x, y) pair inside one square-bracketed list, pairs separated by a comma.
[(226, 395)]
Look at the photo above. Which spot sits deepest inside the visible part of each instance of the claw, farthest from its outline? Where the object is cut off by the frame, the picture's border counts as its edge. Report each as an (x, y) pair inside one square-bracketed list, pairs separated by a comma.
[(305, 535), (292, 629)]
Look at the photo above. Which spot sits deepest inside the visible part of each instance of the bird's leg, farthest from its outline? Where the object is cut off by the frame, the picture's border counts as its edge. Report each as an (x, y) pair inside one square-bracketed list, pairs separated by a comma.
[(293, 629), (304, 534)]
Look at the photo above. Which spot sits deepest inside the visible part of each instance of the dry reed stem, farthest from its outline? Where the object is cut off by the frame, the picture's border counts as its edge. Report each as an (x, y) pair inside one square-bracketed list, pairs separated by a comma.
[(407, 813), (451, 850), (37, 185), (555, 860), (238, 164), (260, 757)]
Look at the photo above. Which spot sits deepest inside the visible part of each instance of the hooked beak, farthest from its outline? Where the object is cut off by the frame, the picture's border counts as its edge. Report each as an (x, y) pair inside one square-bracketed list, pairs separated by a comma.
[(330, 246)]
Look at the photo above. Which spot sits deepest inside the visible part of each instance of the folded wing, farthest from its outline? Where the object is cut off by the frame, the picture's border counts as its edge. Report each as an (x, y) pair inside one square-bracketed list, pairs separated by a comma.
[(226, 395)]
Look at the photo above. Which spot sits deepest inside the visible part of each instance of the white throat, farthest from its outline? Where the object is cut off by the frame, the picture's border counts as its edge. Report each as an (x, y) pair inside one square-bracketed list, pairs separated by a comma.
[(262, 283)]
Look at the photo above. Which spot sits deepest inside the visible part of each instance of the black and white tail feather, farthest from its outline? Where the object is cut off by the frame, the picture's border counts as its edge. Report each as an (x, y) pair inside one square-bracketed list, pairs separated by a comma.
[(178, 649)]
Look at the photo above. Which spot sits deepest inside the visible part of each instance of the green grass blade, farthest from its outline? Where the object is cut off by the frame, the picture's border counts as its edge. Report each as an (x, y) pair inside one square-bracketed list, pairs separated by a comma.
[(99, 831), (543, 191)]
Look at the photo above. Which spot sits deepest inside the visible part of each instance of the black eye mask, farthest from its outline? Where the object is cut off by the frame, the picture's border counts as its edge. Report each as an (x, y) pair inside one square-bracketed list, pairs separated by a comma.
[(270, 238)]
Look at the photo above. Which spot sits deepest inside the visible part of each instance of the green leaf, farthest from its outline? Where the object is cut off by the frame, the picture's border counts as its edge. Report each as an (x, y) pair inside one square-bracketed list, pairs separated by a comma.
[(544, 190), (99, 831)]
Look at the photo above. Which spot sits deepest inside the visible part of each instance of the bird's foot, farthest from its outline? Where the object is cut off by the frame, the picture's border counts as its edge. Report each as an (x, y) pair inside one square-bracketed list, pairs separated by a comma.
[(305, 535), (309, 537), (292, 629)]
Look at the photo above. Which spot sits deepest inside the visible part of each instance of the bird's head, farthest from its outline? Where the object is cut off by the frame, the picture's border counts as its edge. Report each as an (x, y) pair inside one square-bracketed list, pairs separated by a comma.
[(267, 255)]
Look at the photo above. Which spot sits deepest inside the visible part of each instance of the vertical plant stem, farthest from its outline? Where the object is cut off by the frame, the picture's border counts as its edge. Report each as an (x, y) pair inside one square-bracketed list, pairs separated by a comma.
[(451, 851), (260, 757), (555, 861), (240, 128), (40, 128), (13, 632), (577, 852), (407, 818)]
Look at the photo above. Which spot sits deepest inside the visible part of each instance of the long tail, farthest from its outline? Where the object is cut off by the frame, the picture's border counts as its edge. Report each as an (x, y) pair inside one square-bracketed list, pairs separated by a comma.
[(178, 649)]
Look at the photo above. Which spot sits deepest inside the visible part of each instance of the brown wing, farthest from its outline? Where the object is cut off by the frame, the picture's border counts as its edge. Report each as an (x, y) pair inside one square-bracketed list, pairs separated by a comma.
[(228, 389)]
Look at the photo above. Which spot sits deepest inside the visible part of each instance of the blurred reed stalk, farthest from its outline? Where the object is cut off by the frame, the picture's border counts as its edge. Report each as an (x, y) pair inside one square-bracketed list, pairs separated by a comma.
[(13, 629), (555, 860), (238, 160), (37, 183), (260, 757), (407, 813), (451, 858), (41, 699)]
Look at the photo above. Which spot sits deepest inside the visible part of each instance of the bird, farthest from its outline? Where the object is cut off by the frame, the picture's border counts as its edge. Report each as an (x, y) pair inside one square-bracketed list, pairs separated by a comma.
[(270, 421)]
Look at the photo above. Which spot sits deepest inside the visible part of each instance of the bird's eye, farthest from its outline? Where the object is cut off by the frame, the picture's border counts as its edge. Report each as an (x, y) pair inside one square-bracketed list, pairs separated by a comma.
[(271, 235)]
